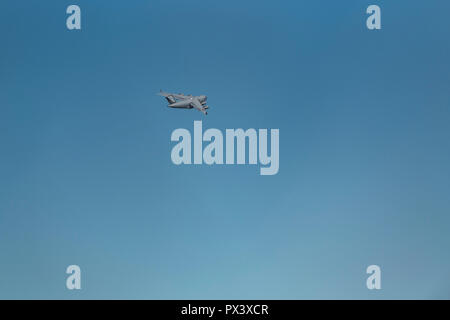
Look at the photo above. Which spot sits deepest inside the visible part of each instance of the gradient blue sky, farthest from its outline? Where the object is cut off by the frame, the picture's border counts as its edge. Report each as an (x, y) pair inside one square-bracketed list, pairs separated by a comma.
[(85, 170)]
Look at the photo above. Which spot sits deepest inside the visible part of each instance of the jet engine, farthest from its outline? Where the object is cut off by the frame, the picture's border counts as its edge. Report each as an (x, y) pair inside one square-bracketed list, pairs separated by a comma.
[(170, 99)]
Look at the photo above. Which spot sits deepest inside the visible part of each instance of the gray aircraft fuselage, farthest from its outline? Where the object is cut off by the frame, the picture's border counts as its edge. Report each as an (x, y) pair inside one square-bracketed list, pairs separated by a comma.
[(187, 103), (179, 100)]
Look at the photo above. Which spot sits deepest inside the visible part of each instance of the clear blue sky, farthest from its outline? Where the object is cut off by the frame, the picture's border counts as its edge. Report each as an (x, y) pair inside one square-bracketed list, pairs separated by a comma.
[(85, 170)]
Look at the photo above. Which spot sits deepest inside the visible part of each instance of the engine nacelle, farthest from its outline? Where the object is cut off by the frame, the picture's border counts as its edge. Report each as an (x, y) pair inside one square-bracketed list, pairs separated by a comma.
[(170, 99)]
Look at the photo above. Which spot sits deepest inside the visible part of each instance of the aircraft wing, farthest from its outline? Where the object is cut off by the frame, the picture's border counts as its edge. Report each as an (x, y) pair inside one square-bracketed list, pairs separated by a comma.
[(168, 94), (197, 105), (169, 97), (179, 96)]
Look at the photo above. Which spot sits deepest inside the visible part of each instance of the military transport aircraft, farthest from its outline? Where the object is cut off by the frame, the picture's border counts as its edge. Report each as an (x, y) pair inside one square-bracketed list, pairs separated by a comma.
[(185, 101)]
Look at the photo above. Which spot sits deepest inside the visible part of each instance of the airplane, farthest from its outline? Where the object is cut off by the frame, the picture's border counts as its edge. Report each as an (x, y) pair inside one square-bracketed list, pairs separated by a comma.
[(185, 101)]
